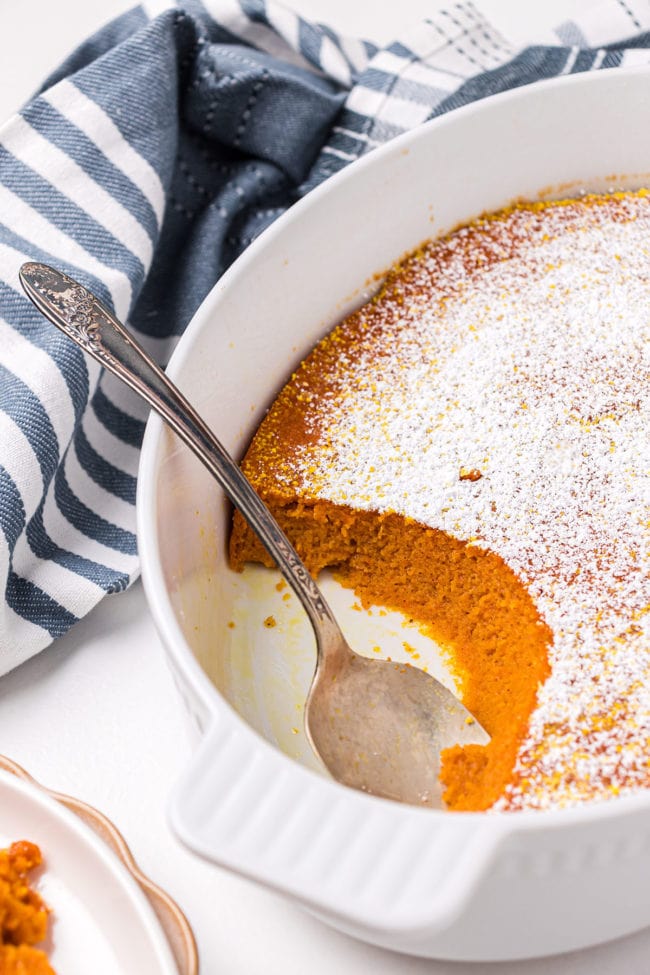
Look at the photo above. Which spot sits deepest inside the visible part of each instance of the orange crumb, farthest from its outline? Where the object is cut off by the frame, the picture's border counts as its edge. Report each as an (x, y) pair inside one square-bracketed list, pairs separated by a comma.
[(469, 474), (23, 913)]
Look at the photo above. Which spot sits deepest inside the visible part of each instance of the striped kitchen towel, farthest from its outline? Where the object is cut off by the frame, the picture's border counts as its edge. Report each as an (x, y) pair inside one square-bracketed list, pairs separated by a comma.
[(147, 163)]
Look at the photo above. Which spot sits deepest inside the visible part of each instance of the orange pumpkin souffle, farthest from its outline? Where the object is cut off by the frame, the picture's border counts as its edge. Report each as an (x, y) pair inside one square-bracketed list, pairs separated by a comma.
[(471, 448), (23, 913)]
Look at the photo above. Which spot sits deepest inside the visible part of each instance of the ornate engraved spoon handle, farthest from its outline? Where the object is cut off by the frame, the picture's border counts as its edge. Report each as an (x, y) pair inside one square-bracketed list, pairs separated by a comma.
[(78, 313)]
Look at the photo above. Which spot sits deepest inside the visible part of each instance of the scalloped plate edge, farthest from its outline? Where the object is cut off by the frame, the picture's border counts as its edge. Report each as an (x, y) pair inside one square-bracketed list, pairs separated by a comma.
[(172, 920)]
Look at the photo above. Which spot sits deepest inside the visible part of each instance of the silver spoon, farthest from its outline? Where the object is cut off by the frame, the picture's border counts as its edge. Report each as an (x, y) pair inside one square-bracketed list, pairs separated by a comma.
[(376, 725)]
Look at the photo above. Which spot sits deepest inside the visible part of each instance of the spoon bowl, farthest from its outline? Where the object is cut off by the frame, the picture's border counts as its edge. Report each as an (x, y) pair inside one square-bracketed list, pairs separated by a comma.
[(376, 725), (380, 726)]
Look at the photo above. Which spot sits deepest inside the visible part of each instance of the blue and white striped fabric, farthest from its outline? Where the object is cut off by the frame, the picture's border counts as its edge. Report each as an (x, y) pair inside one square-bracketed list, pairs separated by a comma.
[(148, 162)]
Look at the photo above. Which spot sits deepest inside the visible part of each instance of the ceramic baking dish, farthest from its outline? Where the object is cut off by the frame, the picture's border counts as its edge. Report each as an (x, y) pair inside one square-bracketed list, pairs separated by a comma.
[(458, 886)]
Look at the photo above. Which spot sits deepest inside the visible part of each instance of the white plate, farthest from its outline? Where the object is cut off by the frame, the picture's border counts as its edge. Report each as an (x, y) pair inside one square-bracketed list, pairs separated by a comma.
[(101, 920)]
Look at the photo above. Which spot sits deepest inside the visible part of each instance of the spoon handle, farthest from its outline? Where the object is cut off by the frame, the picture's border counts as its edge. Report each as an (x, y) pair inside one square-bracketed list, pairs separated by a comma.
[(78, 313)]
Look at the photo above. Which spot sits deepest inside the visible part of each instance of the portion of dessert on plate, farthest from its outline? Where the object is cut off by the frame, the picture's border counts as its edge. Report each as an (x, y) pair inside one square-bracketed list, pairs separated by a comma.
[(23, 913), (471, 448)]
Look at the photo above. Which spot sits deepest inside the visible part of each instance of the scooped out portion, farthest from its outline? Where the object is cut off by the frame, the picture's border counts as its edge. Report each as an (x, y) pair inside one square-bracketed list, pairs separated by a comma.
[(467, 599), (470, 448)]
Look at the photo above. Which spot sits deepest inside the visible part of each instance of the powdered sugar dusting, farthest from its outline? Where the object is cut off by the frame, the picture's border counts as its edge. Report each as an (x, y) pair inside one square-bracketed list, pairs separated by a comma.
[(518, 350)]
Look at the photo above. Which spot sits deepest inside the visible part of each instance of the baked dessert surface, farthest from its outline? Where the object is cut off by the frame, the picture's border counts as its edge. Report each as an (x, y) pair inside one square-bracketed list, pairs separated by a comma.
[(471, 448)]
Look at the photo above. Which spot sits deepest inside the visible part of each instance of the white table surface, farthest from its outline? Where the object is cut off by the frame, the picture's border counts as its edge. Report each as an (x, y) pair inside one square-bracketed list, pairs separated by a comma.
[(97, 715)]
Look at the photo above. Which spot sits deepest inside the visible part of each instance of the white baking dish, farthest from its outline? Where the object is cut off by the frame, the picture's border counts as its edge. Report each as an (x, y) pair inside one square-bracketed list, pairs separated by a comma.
[(459, 886)]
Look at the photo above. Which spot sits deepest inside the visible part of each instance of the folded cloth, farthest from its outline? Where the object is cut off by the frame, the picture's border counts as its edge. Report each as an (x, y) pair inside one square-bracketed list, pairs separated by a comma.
[(146, 164)]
